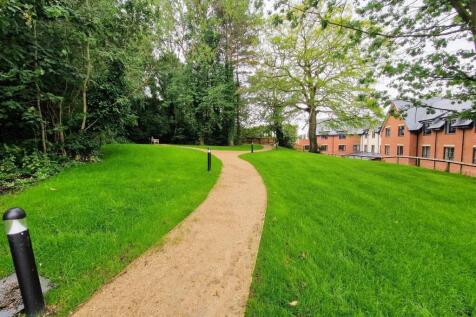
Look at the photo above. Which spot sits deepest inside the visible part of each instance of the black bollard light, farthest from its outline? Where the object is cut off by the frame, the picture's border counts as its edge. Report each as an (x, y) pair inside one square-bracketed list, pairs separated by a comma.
[(209, 159), (252, 147), (24, 261)]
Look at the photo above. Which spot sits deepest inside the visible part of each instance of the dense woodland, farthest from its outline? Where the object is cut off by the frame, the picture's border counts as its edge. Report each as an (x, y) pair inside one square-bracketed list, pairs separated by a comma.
[(78, 74)]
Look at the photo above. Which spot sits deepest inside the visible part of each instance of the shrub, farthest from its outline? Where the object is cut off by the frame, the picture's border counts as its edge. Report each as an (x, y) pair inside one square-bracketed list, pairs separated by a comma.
[(82, 147), (18, 169)]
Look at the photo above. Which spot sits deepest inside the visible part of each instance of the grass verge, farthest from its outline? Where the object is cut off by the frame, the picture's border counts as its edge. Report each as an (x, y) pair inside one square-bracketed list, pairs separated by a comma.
[(357, 238), (88, 222), (242, 147)]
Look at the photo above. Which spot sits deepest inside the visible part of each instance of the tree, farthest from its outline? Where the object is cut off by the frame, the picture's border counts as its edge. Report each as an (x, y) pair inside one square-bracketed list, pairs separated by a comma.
[(55, 57), (322, 67), (433, 45), (426, 47), (239, 22), (215, 40), (274, 104)]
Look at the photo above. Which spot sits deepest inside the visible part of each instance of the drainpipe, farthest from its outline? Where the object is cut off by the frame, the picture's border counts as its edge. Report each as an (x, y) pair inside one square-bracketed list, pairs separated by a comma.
[(416, 160), (333, 136), (462, 151), (434, 151)]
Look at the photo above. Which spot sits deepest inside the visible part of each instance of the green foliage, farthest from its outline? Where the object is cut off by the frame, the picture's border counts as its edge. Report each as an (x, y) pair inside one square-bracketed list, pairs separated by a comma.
[(197, 99), (286, 134), (19, 169), (289, 136), (70, 76), (314, 68), (257, 132), (82, 146), (67, 72), (427, 49)]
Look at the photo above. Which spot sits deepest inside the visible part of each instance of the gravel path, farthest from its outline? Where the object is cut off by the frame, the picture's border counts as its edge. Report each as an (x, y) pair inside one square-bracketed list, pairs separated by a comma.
[(205, 266)]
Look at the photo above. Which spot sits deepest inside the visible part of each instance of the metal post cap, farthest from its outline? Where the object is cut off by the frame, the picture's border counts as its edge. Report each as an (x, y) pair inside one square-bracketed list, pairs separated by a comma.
[(14, 214)]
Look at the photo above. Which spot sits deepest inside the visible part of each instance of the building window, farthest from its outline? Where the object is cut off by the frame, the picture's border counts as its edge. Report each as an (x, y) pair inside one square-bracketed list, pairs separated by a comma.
[(399, 150), (366, 136), (323, 148), (474, 155), (449, 129), (387, 150), (366, 148), (401, 130), (426, 131), (373, 148), (373, 134), (324, 137), (449, 153), (356, 147), (387, 131), (306, 147), (341, 147), (425, 151), (341, 136)]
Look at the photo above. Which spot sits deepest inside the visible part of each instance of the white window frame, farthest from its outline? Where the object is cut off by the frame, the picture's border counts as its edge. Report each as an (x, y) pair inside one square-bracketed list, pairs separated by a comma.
[(403, 130), (422, 151), (402, 147), (444, 152)]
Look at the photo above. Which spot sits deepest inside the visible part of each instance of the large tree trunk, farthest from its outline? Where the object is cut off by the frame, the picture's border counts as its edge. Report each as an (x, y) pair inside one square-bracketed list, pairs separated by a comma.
[(238, 111), (38, 93), (42, 122), (231, 137), (312, 131), (86, 79), (61, 129), (85, 86), (238, 126)]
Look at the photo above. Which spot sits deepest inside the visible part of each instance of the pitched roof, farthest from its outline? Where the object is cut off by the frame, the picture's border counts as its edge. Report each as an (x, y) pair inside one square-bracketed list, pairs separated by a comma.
[(437, 124), (433, 111), (324, 128)]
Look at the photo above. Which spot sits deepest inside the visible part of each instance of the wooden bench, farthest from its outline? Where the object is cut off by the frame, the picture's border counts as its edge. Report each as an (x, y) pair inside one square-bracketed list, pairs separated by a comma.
[(154, 140)]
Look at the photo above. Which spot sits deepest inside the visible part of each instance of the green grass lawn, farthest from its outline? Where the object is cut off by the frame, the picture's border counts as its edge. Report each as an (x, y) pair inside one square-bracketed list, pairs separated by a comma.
[(90, 221), (242, 147), (347, 237)]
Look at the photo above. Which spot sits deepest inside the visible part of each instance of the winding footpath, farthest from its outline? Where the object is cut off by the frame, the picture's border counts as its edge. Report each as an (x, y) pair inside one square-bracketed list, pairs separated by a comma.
[(205, 266)]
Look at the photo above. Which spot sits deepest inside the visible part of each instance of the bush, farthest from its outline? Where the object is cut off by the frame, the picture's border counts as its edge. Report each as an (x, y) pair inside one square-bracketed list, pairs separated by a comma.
[(82, 147), (18, 169)]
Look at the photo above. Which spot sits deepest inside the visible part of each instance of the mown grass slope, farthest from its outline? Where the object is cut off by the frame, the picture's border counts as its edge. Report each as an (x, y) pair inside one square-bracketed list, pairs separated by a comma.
[(347, 237), (242, 147), (90, 221)]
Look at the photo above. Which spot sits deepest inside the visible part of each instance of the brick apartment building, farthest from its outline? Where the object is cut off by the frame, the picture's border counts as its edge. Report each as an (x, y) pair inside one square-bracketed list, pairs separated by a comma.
[(409, 132), (333, 142)]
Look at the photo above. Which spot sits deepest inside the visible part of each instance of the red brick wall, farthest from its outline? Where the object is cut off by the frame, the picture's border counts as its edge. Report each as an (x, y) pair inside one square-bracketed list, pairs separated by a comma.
[(412, 146), (333, 143), (408, 140), (437, 140)]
